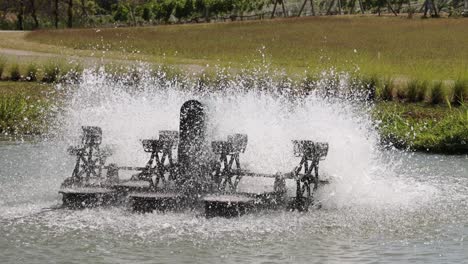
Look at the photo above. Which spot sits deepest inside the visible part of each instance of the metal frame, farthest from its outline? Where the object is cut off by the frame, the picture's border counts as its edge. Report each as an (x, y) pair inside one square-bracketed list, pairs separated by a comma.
[(229, 153), (161, 150), (306, 173), (90, 158)]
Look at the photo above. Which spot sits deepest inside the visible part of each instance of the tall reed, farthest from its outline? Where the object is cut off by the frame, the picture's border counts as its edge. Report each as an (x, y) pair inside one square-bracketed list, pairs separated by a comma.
[(20, 114), (460, 91), (437, 93), (15, 74), (3, 62), (51, 72), (31, 72)]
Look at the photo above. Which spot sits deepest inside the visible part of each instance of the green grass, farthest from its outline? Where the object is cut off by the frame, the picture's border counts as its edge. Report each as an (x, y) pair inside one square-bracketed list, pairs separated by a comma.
[(15, 74), (33, 90), (24, 108), (423, 127), (31, 72), (460, 91), (438, 95), (430, 49)]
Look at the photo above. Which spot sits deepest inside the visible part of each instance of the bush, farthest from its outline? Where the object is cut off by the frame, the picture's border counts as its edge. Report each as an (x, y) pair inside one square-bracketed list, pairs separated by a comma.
[(370, 86), (385, 90), (401, 93), (21, 114), (74, 74), (416, 91), (51, 72), (437, 93), (15, 74), (2, 65), (121, 13), (31, 72), (309, 83), (460, 92), (422, 91), (412, 91)]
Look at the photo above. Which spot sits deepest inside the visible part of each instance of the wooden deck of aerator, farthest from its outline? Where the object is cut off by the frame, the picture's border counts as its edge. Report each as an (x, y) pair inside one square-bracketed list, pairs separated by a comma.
[(85, 197)]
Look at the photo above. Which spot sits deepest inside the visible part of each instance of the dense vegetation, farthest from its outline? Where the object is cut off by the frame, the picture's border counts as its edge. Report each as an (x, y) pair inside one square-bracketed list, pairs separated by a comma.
[(24, 108), (437, 122), (33, 14)]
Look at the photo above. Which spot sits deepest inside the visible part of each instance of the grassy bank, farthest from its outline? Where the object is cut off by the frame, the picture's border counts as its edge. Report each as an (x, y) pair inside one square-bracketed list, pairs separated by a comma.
[(421, 127), (402, 48), (416, 69), (24, 108)]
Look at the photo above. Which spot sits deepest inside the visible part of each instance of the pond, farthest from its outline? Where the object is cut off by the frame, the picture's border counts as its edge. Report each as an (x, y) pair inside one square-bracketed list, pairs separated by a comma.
[(383, 205)]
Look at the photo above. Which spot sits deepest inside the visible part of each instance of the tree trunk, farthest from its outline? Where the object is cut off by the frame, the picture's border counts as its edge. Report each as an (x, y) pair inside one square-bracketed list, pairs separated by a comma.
[(434, 8), (33, 14), (361, 6), (21, 15), (284, 10), (391, 8), (56, 14), (274, 9), (70, 14), (465, 11), (312, 7), (302, 8), (83, 8), (330, 7)]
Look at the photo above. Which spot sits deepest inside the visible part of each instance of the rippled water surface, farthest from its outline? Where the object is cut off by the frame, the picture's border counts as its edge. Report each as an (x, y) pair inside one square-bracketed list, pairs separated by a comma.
[(383, 206), (427, 232)]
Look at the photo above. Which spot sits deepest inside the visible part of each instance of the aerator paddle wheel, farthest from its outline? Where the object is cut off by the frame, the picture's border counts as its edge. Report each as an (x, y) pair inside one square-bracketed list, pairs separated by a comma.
[(86, 187), (226, 177), (161, 162), (306, 173), (201, 175)]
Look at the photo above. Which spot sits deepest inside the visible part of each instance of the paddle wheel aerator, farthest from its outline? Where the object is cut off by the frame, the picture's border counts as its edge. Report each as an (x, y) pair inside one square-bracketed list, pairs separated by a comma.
[(184, 171)]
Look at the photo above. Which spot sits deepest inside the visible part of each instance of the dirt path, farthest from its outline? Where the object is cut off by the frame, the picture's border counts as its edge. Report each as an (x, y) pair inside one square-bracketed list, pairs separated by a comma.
[(26, 53), (14, 46), (28, 56)]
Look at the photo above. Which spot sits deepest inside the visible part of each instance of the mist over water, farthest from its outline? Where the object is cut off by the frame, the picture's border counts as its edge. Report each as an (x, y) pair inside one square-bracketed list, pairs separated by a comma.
[(376, 195)]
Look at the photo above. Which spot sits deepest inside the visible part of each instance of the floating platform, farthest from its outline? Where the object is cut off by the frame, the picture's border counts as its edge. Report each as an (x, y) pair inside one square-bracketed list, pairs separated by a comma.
[(227, 205), (87, 197), (131, 186), (147, 202)]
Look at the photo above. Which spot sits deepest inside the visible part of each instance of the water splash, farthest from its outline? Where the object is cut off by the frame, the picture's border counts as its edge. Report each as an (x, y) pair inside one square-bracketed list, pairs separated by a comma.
[(137, 105)]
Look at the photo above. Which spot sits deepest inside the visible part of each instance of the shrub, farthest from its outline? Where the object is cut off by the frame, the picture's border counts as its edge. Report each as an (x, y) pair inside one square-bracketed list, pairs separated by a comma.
[(15, 74), (412, 91), (309, 83), (31, 72), (2, 65), (401, 93), (385, 90), (460, 91), (437, 93), (73, 75), (51, 72), (370, 86), (422, 90), (20, 114)]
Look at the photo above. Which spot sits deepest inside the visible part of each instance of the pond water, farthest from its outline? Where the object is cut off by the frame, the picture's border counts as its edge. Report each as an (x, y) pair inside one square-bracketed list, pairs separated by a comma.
[(383, 206), (431, 230)]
